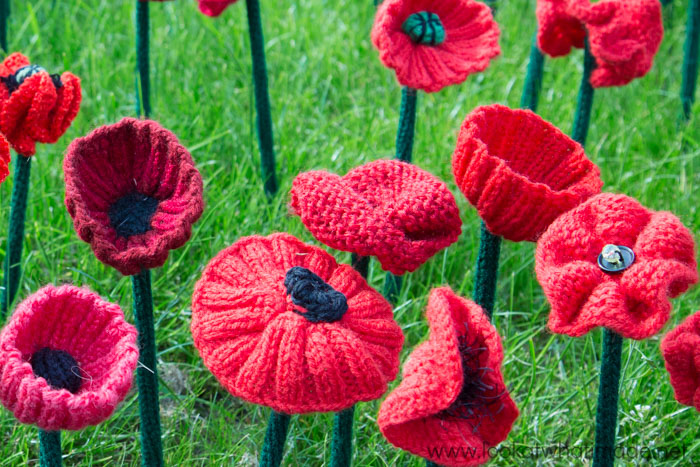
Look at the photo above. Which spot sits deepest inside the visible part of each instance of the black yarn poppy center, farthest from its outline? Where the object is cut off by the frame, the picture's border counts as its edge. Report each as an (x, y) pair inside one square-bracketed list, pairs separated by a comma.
[(58, 368), (131, 214), (15, 80), (321, 301)]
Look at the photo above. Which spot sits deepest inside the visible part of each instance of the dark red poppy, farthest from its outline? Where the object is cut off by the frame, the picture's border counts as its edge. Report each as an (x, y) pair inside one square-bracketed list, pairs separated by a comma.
[(389, 209), (519, 171), (280, 323), (681, 350), (4, 158), (133, 192), (452, 394), (214, 7), (35, 107), (612, 262)]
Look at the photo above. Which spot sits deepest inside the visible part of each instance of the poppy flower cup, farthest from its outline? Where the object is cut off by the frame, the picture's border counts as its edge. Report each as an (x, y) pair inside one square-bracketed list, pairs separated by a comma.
[(681, 351), (67, 359), (389, 209), (431, 44), (612, 262), (452, 394), (35, 107), (214, 7), (133, 192), (519, 171), (280, 323)]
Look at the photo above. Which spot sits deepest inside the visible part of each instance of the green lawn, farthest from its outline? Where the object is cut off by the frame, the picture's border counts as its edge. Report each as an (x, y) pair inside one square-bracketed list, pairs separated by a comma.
[(334, 107)]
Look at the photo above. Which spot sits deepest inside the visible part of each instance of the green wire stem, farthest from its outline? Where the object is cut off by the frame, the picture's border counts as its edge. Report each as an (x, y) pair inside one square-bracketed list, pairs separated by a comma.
[(341, 449), (4, 16), (275, 437), (608, 393), (533, 78), (142, 59), (691, 55), (582, 117), (50, 448)]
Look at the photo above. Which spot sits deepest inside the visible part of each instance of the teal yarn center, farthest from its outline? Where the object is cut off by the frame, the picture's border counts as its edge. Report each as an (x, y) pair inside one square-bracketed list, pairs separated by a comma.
[(424, 28)]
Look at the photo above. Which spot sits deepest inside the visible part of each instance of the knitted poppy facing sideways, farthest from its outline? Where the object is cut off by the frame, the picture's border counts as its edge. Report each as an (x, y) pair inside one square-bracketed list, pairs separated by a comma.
[(133, 192), (214, 7), (624, 35), (4, 158), (389, 209), (35, 107), (279, 323), (431, 44), (612, 262), (67, 359), (519, 171), (681, 350), (452, 395)]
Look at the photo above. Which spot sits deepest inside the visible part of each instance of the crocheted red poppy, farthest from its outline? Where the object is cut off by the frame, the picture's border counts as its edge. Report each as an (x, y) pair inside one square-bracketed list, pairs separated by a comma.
[(681, 350), (611, 262), (133, 192), (35, 106), (389, 209), (214, 7), (279, 323), (67, 359), (431, 44), (519, 171), (4, 158), (624, 35), (452, 395)]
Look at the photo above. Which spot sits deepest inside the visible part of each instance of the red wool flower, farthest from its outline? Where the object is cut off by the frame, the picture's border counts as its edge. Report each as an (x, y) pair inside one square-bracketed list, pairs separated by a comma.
[(681, 350), (279, 323), (214, 7), (431, 44), (452, 394), (67, 359), (133, 192), (611, 262), (624, 35), (519, 171), (4, 158), (389, 209), (35, 106)]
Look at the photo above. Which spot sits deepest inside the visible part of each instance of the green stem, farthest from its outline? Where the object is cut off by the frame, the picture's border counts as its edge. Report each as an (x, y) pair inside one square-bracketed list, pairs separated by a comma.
[(407, 124), (533, 78), (147, 373), (582, 118), (486, 274), (15, 237), (341, 450), (431, 464), (142, 61), (275, 436), (361, 264), (608, 392), (392, 287), (691, 55), (50, 448), (262, 98), (4, 16)]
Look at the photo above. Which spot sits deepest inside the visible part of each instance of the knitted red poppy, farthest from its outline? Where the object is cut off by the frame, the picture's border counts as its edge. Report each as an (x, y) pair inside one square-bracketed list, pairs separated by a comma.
[(389, 209), (279, 323), (681, 350), (67, 359), (624, 35), (35, 106), (519, 171), (611, 262), (452, 395), (431, 44), (4, 158), (133, 192), (214, 7)]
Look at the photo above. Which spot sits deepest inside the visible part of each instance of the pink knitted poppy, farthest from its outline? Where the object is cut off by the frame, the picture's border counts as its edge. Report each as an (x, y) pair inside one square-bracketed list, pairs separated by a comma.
[(133, 192), (389, 209), (67, 359), (431, 44), (214, 7), (681, 350), (611, 262), (452, 396)]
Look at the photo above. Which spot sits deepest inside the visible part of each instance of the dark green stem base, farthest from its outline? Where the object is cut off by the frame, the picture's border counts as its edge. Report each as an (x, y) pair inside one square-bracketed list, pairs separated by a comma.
[(608, 393), (142, 60), (341, 450), (533, 78), (360, 264), (691, 55), (275, 437), (15, 236), (407, 125), (486, 274), (582, 118), (392, 287), (50, 448), (4, 16), (431, 464), (147, 372)]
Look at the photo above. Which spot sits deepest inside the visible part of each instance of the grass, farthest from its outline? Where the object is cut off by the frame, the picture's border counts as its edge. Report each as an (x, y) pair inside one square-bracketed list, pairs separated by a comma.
[(334, 107)]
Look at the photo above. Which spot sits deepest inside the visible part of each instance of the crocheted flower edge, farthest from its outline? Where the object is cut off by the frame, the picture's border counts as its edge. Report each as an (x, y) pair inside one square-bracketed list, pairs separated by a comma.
[(681, 352)]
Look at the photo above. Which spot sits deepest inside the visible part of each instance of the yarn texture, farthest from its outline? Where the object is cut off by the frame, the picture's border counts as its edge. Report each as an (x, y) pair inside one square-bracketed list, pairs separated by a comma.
[(519, 171), (466, 44), (4, 158), (79, 323), (389, 209), (452, 393), (681, 351), (634, 302), (114, 177), (255, 338)]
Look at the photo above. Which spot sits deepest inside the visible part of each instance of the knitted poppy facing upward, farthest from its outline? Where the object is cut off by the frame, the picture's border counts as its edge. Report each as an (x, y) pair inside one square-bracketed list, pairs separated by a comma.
[(279, 323), (214, 7), (681, 350), (519, 171), (431, 44), (133, 192), (67, 359), (452, 393), (389, 209), (611, 262), (4, 158), (35, 107)]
